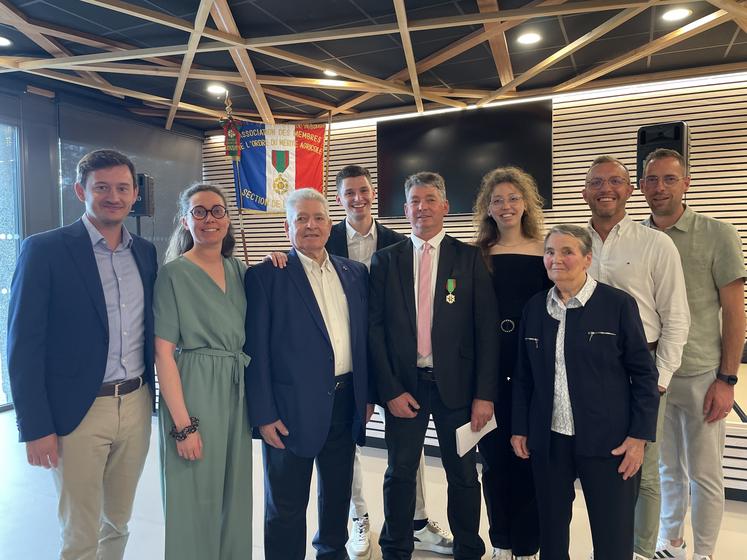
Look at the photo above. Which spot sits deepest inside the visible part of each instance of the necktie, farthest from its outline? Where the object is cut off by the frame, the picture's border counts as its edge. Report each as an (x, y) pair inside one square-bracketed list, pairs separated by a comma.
[(425, 301)]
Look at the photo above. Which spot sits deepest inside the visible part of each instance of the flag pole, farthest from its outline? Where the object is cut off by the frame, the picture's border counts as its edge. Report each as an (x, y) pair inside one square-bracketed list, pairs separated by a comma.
[(232, 142), (327, 150)]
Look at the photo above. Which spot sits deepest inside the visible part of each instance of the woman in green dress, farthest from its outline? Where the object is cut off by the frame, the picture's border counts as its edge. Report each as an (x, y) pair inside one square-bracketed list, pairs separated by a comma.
[(205, 444)]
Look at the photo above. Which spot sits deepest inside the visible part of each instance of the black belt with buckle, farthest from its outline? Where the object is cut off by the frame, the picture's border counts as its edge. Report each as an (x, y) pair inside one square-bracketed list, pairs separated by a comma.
[(121, 388), (342, 381), (508, 325), (426, 374)]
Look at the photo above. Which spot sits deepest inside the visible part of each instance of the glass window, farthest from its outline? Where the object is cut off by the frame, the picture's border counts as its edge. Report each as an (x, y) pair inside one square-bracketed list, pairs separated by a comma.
[(10, 230)]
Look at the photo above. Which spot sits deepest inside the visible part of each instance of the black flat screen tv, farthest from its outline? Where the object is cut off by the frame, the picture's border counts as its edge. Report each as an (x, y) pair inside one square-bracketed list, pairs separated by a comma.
[(462, 146)]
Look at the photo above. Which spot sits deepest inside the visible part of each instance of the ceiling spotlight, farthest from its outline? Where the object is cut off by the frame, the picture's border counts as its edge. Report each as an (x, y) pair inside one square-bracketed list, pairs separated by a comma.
[(4, 42), (330, 73), (216, 89), (529, 38), (676, 14)]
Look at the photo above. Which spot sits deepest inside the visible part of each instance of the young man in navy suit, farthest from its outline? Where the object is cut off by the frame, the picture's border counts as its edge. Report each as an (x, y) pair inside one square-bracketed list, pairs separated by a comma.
[(307, 384), (80, 341)]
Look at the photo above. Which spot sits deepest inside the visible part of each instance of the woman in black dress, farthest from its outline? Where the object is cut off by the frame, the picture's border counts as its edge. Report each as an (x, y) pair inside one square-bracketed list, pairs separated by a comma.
[(508, 219)]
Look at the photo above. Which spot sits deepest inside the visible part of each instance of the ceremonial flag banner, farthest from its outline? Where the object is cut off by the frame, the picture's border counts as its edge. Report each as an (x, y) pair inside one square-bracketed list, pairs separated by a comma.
[(275, 160)]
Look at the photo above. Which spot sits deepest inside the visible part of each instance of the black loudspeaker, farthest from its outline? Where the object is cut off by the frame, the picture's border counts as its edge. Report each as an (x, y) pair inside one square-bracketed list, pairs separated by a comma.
[(674, 135), (144, 205)]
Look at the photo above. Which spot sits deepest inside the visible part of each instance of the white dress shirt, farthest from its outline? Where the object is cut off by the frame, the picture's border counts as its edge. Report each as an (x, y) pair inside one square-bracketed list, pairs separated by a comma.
[(361, 247), (562, 413), (645, 263), (333, 304), (435, 243)]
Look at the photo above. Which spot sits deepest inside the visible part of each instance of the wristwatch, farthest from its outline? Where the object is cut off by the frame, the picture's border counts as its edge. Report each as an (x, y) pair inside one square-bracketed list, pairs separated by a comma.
[(728, 379)]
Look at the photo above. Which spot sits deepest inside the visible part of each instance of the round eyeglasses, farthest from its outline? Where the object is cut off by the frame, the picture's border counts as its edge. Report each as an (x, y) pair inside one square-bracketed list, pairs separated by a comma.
[(200, 212)]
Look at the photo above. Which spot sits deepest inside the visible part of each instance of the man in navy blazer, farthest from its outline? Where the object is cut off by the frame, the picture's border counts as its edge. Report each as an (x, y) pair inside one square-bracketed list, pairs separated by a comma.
[(80, 340), (307, 383)]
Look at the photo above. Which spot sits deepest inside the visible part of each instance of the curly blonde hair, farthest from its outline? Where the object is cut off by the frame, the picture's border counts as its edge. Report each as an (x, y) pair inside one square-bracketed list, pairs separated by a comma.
[(532, 221)]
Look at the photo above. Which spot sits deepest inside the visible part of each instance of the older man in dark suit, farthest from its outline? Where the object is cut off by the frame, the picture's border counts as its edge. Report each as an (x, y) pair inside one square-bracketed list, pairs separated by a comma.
[(307, 383), (80, 341), (433, 343)]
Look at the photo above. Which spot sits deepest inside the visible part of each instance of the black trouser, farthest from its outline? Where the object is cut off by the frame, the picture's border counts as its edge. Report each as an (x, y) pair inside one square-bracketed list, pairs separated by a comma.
[(610, 500), (404, 441), (508, 487), (287, 484)]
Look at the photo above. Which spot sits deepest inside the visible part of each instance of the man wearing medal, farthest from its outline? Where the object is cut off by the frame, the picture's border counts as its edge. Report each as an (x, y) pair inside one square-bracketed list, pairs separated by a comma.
[(436, 357)]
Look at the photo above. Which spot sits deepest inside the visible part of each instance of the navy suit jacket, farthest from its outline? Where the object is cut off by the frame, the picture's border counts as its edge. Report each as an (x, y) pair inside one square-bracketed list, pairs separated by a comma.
[(337, 244), (612, 379), (58, 331), (291, 375), (464, 335)]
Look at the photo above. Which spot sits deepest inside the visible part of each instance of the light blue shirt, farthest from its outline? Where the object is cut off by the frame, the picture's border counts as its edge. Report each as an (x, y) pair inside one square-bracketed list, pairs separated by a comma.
[(125, 309)]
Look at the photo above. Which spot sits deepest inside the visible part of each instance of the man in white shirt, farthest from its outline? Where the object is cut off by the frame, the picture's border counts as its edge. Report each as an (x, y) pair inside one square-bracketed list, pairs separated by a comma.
[(645, 264), (307, 385)]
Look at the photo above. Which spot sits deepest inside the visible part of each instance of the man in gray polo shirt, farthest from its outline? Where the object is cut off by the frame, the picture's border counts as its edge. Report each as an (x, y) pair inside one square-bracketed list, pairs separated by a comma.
[(701, 392)]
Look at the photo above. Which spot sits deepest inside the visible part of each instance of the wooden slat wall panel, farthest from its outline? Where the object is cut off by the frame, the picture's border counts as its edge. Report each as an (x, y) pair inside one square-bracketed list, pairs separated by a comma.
[(582, 130)]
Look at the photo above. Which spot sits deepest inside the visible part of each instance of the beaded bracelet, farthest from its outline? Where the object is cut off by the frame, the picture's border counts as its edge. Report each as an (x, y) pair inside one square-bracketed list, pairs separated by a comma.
[(181, 435)]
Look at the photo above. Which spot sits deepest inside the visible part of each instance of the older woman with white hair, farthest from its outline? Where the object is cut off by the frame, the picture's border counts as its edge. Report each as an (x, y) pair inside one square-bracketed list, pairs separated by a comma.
[(585, 399)]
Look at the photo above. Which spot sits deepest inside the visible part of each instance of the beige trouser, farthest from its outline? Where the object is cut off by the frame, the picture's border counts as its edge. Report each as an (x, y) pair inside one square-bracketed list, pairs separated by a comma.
[(692, 464), (100, 465), (648, 505)]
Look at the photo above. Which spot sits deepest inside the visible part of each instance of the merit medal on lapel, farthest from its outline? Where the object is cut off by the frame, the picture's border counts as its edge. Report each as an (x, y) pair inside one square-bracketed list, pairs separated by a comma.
[(451, 286)]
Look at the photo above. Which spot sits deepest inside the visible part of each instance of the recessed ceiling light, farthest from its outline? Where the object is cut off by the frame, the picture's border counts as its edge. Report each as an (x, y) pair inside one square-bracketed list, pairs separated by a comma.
[(330, 73), (216, 89), (676, 14), (529, 38), (4, 42)]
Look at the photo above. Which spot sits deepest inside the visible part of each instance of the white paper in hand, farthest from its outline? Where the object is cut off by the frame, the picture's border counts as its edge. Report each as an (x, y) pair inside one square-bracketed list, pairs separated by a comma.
[(466, 439)]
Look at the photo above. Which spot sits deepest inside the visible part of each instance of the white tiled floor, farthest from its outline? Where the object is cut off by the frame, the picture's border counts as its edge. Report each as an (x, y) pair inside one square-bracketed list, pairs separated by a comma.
[(28, 523)]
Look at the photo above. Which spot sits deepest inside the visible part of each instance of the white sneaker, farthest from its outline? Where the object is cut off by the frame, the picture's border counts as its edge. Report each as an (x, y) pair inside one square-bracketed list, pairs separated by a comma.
[(433, 538), (701, 557), (637, 556), (664, 549), (502, 554), (531, 557), (359, 543)]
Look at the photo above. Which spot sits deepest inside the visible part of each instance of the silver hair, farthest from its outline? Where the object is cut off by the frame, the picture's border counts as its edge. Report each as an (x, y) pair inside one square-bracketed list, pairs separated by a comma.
[(303, 194), (426, 178), (577, 232)]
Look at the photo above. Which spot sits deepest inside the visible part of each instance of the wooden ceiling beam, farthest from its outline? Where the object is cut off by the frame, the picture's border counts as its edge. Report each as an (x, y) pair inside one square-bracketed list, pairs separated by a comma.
[(678, 35), (151, 15), (498, 44), (157, 112), (224, 20), (161, 18), (401, 12), (739, 11), (203, 11), (388, 86), (132, 54), (526, 12), (13, 16), (71, 79), (579, 43), (447, 53), (299, 98)]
